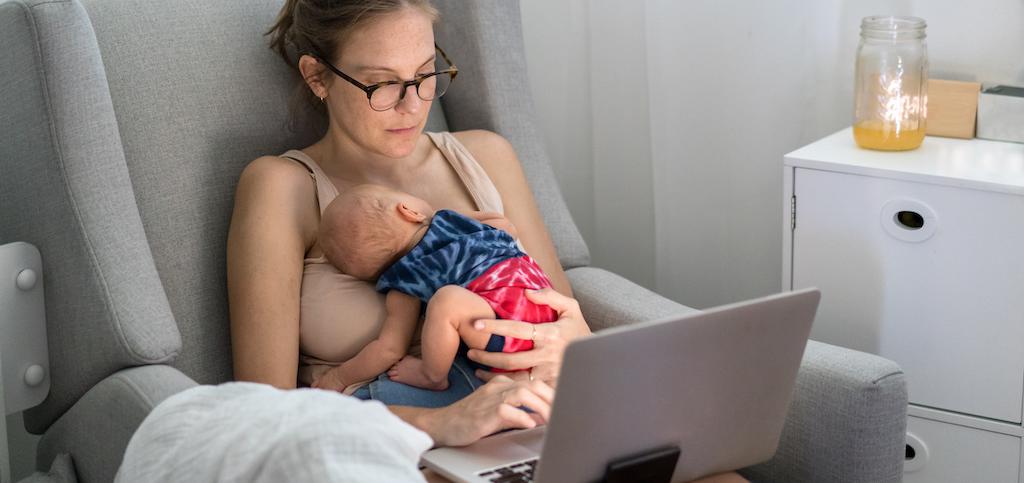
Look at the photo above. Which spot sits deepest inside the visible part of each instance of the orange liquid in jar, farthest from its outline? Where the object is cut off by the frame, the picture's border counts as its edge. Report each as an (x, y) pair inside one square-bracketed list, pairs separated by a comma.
[(885, 137)]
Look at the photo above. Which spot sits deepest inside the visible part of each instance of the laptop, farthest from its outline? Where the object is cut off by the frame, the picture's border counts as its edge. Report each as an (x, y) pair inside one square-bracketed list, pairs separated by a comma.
[(666, 400)]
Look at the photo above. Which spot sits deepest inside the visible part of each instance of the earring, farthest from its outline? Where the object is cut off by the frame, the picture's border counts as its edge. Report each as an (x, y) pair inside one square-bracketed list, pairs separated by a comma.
[(322, 99)]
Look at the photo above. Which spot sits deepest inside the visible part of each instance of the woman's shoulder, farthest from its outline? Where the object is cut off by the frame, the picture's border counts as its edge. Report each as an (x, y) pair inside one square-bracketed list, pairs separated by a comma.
[(274, 180), (489, 148), (275, 167), (281, 194)]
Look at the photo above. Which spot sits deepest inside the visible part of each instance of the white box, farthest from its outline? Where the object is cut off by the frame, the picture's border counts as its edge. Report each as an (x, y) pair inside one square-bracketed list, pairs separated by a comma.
[(1001, 114)]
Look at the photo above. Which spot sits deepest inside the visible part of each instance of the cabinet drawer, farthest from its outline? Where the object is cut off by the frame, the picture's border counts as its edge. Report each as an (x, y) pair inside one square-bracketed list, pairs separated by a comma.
[(944, 452), (943, 300)]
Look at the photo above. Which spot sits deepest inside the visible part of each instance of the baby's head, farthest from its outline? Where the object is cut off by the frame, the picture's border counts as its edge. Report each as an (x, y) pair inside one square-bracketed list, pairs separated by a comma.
[(368, 227)]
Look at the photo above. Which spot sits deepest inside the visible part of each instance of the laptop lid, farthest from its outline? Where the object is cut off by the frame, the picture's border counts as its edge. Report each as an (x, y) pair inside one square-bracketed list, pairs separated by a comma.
[(716, 383)]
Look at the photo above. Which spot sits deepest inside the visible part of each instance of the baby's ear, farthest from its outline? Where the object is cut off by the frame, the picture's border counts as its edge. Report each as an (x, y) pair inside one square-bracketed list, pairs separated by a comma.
[(410, 214)]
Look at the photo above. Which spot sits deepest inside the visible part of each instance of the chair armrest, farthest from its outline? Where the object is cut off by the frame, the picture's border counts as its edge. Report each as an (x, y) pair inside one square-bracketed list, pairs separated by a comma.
[(847, 420), (97, 428), (609, 300)]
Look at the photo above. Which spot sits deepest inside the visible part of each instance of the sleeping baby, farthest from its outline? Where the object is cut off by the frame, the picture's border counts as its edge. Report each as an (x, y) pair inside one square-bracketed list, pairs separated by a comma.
[(464, 267)]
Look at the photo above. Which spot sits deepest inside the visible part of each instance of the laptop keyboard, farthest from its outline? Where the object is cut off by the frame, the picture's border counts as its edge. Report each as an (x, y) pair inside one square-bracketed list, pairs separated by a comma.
[(513, 473)]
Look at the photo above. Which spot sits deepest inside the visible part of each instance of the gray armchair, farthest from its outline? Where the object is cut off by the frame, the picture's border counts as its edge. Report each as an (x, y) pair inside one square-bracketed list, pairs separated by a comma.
[(126, 125)]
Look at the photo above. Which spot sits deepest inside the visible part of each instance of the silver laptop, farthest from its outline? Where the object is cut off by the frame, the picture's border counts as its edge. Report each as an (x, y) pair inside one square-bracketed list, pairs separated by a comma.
[(696, 394)]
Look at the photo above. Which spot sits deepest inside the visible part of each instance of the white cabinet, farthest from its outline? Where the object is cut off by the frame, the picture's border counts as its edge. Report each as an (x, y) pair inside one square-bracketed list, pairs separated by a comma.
[(950, 452), (920, 258)]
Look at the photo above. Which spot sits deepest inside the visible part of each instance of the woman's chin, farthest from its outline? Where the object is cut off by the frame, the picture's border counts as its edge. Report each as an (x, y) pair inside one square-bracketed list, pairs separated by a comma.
[(400, 148)]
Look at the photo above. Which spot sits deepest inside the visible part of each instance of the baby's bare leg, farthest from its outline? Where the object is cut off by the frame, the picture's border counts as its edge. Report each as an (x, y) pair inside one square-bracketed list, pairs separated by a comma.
[(450, 315)]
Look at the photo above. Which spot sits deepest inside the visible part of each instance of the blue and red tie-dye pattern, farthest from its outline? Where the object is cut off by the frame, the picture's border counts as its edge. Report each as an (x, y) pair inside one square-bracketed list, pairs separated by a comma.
[(458, 250)]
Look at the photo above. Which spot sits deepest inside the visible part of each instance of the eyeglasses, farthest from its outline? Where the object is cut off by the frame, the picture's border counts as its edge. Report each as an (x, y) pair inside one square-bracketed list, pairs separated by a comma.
[(385, 95)]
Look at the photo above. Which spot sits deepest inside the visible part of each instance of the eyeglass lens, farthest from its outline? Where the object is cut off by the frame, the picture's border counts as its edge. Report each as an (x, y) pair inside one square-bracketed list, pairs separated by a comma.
[(432, 87)]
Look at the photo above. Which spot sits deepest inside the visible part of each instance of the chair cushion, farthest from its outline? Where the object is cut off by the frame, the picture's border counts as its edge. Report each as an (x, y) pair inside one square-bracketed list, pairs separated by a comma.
[(65, 189), (196, 99)]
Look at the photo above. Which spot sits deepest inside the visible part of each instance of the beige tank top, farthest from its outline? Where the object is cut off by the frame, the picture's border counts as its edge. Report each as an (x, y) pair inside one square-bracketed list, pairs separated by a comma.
[(339, 315)]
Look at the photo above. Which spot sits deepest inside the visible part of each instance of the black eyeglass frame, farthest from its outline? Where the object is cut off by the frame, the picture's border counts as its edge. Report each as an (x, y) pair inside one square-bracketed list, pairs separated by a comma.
[(452, 70)]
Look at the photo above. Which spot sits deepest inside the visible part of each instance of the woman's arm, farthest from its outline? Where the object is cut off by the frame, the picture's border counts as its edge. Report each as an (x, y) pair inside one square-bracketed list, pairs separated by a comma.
[(499, 160), (273, 223), (381, 353)]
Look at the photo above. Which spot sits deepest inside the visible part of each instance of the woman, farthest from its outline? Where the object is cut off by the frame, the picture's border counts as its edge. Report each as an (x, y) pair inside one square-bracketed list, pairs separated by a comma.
[(343, 48), (273, 228)]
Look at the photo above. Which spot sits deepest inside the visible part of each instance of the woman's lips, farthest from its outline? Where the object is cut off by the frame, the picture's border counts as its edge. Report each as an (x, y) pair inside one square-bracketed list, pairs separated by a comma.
[(402, 130)]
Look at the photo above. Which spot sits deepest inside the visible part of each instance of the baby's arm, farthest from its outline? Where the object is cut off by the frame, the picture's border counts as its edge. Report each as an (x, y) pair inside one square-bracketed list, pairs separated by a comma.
[(494, 219), (382, 353)]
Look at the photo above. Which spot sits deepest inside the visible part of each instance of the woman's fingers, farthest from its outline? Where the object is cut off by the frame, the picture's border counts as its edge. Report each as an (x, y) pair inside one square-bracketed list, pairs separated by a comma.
[(526, 397), (508, 328), (515, 376), (537, 386), (513, 417), (552, 298), (503, 379), (544, 391), (534, 396), (504, 360), (540, 373)]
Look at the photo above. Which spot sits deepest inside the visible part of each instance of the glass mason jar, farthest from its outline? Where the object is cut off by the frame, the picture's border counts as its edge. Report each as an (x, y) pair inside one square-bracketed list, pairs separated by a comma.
[(891, 84)]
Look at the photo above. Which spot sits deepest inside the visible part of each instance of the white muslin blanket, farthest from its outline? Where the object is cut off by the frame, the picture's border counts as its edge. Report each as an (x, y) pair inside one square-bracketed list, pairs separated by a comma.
[(246, 432)]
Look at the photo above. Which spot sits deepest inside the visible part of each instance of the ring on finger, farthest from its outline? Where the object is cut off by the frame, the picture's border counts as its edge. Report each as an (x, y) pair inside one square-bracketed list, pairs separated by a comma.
[(529, 373), (533, 335)]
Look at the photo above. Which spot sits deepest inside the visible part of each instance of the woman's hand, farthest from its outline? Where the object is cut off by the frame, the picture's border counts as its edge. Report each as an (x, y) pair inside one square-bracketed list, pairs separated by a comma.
[(549, 340), (493, 407), (330, 380)]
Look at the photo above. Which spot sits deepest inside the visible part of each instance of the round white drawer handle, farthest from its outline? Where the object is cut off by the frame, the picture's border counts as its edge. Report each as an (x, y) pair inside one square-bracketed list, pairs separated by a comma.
[(27, 279), (34, 375), (909, 220), (917, 454)]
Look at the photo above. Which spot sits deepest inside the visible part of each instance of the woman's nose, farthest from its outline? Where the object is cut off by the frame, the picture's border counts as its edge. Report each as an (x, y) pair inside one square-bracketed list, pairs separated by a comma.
[(410, 101)]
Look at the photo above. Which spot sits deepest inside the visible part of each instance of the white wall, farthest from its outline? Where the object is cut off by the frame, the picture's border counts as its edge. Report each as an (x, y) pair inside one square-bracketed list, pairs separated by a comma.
[(691, 107), (583, 81)]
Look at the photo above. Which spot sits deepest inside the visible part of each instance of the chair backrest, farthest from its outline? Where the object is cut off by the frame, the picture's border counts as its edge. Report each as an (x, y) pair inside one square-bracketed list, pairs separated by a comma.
[(127, 125)]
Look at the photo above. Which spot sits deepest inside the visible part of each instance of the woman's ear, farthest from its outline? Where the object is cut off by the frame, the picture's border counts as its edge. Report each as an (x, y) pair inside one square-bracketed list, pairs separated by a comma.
[(410, 214), (312, 72)]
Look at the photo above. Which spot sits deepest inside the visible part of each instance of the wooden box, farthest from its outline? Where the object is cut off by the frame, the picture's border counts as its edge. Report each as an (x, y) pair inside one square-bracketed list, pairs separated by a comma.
[(952, 108)]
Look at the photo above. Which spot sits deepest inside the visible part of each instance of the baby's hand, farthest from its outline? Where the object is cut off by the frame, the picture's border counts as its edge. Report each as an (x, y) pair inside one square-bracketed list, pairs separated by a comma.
[(330, 380)]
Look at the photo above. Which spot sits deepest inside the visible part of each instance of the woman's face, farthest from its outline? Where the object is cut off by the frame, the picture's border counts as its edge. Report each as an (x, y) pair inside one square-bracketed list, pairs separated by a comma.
[(397, 46)]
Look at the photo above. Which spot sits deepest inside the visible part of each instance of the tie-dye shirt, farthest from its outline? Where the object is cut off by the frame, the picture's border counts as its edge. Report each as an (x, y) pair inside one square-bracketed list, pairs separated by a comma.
[(455, 250)]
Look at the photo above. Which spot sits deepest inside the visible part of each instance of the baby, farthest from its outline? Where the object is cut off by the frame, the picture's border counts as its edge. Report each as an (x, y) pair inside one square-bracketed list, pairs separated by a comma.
[(463, 266)]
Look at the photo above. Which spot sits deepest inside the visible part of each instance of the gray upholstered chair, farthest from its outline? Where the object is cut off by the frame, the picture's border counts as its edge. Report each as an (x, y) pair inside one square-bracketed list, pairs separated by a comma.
[(125, 126)]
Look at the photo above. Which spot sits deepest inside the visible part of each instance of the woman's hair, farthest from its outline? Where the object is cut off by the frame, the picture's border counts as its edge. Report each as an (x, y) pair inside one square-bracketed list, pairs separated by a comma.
[(321, 27)]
